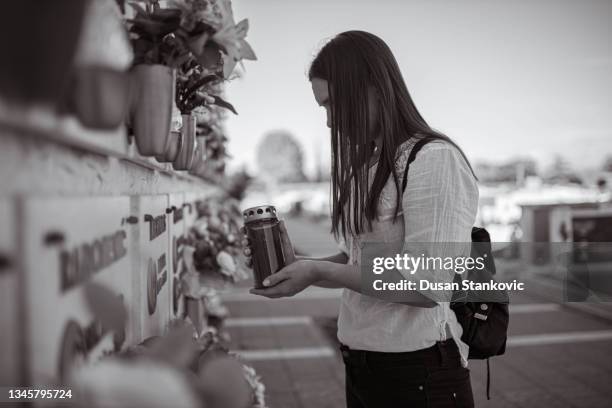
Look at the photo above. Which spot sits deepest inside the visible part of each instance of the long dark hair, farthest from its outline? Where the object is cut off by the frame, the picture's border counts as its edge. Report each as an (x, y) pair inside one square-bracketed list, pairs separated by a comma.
[(351, 63)]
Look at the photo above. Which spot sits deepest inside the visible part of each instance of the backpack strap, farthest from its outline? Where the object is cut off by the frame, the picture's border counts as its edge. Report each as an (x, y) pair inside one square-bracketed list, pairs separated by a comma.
[(415, 149)]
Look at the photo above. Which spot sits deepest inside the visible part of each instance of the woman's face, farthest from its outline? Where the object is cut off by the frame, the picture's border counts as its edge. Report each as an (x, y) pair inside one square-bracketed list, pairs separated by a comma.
[(321, 94)]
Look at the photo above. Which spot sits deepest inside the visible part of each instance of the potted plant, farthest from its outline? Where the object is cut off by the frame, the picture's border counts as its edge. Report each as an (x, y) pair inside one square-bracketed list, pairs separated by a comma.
[(194, 86), (200, 38), (189, 82), (98, 89), (156, 54)]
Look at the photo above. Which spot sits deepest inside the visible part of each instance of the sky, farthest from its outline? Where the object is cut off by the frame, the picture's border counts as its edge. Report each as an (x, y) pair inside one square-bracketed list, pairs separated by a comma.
[(504, 79)]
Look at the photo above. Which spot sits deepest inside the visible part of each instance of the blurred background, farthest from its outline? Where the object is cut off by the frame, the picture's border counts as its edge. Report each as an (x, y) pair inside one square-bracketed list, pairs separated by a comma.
[(522, 87)]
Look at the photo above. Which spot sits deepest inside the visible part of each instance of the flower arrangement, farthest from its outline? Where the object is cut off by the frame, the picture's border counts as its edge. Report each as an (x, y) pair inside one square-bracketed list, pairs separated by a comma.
[(258, 387), (214, 240), (216, 311), (198, 43), (211, 260), (204, 29), (204, 20), (181, 368)]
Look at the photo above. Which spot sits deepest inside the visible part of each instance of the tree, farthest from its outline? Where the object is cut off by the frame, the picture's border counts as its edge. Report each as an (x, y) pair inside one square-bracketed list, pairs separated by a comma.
[(510, 171), (280, 157), (562, 172), (560, 166)]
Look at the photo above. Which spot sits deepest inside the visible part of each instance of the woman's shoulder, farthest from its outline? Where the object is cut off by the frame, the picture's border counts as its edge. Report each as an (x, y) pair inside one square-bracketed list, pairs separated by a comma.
[(441, 163), (435, 145)]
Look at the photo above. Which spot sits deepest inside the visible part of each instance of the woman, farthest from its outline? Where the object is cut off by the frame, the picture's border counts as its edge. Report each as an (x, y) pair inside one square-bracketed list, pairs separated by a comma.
[(409, 352)]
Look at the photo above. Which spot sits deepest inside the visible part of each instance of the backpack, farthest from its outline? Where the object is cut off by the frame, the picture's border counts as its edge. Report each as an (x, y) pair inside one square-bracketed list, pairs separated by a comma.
[(485, 324)]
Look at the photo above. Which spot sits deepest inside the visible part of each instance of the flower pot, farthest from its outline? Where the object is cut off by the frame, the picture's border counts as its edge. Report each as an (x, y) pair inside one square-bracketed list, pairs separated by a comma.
[(99, 96), (38, 45), (153, 96), (98, 91), (175, 142), (185, 157), (199, 156)]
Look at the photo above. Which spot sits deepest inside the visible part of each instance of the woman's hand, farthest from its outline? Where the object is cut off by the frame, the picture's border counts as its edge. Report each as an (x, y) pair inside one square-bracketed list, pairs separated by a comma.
[(290, 280)]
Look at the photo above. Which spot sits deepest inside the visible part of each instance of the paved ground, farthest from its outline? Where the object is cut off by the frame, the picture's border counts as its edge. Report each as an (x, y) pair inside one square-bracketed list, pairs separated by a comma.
[(557, 356)]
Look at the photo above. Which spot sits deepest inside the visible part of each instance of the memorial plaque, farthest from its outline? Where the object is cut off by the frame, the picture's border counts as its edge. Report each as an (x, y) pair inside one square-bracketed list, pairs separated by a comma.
[(70, 242), (154, 263)]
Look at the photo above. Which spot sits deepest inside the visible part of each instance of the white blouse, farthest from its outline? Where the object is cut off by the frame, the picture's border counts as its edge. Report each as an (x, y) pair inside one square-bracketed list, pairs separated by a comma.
[(438, 206)]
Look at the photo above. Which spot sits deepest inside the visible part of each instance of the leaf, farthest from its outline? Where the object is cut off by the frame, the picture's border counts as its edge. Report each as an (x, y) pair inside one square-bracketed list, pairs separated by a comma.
[(202, 27), (210, 58), (167, 15), (200, 83), (141, 46), (224, 104), (155, 28), (229, 63), (242, 28), (232, 41), (196, 44), (180, 60), (227, 39), (246, 51)]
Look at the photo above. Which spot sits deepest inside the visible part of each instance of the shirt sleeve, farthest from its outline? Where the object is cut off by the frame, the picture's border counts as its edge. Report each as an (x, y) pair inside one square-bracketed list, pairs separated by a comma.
[(439, 207)]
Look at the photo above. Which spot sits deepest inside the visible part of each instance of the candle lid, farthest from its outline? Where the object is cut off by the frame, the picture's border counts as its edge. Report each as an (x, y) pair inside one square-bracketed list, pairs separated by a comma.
[(261, 212)]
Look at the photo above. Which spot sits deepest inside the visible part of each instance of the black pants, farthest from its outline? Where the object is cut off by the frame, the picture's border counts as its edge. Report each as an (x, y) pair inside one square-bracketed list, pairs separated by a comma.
[(431, 377)]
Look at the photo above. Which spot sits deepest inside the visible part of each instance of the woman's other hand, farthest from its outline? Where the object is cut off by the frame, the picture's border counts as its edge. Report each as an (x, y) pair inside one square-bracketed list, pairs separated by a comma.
[(290, 280)]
